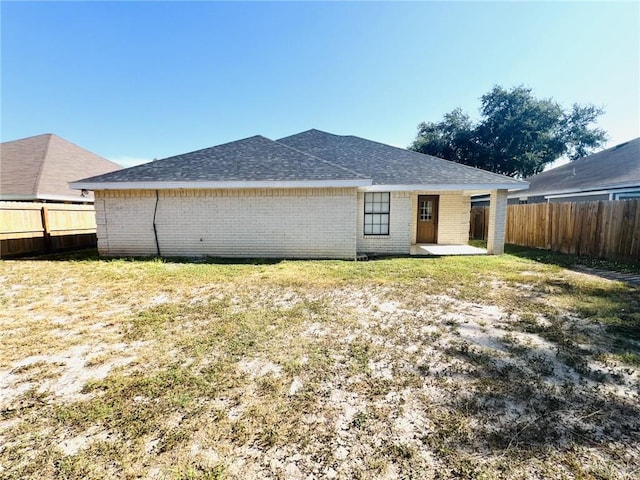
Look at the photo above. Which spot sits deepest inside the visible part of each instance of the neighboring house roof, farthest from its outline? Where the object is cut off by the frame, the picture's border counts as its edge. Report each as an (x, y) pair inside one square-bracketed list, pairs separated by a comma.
[(311, 158), (616, 167), (41, 167), (388, 165), (253, 161)]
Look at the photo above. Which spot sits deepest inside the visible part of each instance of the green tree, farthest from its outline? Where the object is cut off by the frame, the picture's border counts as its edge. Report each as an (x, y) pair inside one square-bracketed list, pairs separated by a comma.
[(517, 134)]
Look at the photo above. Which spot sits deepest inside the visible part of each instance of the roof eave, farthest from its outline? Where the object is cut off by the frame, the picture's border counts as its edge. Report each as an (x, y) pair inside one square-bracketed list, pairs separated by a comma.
[(444, 187), (173, 185), (592, 188), (44, 196)]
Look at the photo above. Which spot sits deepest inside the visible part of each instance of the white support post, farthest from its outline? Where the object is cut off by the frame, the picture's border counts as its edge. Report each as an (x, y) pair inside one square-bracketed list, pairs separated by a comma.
[(497, 222)]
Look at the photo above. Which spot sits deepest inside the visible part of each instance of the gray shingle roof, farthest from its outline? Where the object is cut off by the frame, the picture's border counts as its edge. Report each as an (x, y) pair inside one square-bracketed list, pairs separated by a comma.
[(388, 165), (616, 166), (41, 166), (308, 156), (251, 159)]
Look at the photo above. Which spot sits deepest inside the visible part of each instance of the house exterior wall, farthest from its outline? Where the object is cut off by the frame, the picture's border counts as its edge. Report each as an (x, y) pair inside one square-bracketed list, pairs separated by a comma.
[(292, 223), (453, 219), (453, 222), (399, 239)]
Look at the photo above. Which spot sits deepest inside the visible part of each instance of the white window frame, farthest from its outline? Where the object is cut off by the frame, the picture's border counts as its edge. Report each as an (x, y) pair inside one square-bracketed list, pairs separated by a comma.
[(377, 213)]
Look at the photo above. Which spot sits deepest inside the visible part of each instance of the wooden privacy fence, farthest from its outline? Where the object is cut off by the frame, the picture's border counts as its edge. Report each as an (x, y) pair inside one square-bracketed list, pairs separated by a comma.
[(45, 227), (479, 223), (604, 229)]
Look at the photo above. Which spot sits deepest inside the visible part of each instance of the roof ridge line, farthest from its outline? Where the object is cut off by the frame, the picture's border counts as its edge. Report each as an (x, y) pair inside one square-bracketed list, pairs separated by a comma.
[(430, 156), (36, 183), (202, 149)]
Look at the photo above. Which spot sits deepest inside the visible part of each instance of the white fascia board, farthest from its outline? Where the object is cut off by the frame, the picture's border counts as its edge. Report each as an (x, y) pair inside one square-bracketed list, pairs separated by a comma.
[(576, 194), (593, 192), (616, 186), (227, 185), (443, 187), (17, 197), (55, 198), (599, 190)]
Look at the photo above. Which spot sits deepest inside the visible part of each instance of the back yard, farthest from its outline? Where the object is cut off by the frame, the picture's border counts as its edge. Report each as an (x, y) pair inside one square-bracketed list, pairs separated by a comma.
[(470, 367)]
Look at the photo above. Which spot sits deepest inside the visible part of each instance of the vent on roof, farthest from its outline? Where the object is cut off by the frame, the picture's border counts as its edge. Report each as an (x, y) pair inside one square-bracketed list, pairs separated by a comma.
[(621, 145)]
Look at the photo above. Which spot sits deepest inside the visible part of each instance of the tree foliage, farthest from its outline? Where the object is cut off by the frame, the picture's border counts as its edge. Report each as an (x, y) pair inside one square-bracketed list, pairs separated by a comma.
[(517, 134)]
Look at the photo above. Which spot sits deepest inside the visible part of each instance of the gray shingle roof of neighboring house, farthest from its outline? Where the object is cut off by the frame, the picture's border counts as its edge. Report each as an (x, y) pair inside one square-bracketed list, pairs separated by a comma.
[(389, 165), (40, 167), (618, 166), (253, 159), (313, 156)]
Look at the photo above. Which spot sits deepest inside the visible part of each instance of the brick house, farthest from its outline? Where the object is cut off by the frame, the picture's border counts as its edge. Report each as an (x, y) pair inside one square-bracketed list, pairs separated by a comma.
[(309, 195)]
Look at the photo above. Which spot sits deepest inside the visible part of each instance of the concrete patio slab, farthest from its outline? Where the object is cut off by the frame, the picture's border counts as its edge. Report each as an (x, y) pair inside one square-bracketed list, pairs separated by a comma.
[(424, 249)]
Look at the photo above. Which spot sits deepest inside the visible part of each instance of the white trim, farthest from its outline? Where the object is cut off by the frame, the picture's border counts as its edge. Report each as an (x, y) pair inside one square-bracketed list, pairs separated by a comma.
[(443, 187), (55, 198), (595, 189), (612, 195), (577, 194), (364, 185), (593, 192), (209, 184)]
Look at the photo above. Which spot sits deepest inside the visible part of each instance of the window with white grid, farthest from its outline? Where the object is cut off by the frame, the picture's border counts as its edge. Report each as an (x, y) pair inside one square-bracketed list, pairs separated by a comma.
[(376, 213)]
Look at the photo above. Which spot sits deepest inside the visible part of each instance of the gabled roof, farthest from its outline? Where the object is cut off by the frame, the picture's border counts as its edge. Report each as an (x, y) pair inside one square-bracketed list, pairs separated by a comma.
[(311, 158), (251, 162), (615, 167), (41, 167), (388, 165)]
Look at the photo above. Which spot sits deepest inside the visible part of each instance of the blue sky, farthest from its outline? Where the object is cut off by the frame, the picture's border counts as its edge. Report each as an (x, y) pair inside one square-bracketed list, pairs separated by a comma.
[(134, 81)]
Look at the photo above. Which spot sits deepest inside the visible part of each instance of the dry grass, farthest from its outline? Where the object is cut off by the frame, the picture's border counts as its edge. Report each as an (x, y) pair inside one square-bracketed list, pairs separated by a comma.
[(470, 367)]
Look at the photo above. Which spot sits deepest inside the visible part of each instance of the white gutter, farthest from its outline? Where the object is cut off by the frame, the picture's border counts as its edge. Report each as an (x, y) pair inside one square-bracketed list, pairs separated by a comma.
[(364, 185), (154, 185), (595, 189), (610, 192), (442, 187), (54, 198)]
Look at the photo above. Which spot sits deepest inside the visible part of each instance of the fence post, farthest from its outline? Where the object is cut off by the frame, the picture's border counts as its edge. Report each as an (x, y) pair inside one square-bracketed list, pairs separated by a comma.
[(44, 212)]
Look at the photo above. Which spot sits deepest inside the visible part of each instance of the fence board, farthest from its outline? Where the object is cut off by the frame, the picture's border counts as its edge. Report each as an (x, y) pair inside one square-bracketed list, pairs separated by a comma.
[(479, 223), (601, 229), (36, 227)]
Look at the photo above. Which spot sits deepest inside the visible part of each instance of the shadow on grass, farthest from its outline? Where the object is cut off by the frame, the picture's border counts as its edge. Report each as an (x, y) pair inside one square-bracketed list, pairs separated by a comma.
[(615, 309), (570, 261), (536, 400), (525, 404), (564, 260), (91, 255), (85, 254)]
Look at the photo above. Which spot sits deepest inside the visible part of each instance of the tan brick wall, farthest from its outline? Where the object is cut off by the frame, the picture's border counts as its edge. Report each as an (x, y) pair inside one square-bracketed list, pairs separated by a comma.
[(453, 219), (292, 223), (453, 222), (497, 222), (399, 239)]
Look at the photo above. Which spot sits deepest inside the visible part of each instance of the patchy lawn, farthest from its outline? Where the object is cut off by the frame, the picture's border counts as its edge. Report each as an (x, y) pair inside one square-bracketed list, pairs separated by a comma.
[(469, 367)]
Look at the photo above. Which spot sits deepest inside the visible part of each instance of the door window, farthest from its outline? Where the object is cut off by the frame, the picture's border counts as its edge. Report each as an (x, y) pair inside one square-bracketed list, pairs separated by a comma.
[(426, 210)]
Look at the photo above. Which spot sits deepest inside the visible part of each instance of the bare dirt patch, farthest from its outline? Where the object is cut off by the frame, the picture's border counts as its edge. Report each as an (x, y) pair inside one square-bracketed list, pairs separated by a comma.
[(391, 369)]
